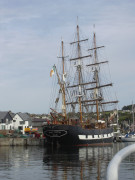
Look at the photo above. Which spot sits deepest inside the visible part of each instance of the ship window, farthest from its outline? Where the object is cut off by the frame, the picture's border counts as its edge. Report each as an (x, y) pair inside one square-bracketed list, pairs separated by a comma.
[(93, 136)]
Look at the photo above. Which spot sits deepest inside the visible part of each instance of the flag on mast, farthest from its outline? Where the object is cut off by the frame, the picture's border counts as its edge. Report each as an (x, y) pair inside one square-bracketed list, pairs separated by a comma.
[(52, 71)]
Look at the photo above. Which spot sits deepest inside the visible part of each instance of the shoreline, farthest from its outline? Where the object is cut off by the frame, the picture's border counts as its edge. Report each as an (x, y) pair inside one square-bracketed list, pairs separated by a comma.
[(9, 141)]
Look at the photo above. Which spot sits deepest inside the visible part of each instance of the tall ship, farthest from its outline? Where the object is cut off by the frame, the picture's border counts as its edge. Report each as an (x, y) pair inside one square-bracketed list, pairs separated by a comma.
[(81, 112)]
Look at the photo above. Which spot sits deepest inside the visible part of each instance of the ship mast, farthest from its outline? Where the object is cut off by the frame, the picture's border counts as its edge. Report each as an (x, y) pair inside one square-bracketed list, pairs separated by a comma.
[(133, 116), (61, 82), (79, 73), (97, 79), (96, 88), (63, 78)]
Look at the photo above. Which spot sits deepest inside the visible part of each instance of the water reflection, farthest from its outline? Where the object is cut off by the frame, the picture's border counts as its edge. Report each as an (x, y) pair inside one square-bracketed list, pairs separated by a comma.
[(20, 163), (83, 162), (78, 162), (62, 163)]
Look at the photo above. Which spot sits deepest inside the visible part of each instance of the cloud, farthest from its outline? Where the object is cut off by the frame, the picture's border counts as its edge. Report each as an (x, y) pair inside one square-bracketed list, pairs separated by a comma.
[(30, 35)]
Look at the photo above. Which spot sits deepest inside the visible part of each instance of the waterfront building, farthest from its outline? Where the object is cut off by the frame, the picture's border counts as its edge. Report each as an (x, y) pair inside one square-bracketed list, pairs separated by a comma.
[(6, 120), (38, 123), (22, 121)]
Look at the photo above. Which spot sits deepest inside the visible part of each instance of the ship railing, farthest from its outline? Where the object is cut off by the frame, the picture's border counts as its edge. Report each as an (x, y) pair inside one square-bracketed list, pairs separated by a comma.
[(113, 167)]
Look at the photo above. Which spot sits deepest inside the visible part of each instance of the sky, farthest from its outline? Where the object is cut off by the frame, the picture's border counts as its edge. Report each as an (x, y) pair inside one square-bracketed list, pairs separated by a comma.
[(30, 37)]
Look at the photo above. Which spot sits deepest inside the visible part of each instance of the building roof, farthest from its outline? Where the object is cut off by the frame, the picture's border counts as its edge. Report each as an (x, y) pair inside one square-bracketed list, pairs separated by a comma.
[(3, 114), (39, 120), (24, 116), (11, 114)]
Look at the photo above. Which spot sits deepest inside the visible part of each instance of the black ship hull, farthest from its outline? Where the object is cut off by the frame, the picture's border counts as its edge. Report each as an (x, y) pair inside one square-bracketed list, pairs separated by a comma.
[(76, 135)]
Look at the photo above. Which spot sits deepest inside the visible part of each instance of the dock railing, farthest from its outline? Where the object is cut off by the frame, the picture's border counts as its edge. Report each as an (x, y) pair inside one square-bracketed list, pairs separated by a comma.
[(113, 167)]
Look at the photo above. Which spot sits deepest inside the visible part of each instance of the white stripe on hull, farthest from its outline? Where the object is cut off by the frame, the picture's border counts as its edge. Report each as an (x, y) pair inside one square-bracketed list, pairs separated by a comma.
[(90, 137)]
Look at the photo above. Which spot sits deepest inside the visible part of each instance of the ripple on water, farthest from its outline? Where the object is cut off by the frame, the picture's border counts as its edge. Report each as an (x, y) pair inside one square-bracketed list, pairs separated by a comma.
[(21, 163)]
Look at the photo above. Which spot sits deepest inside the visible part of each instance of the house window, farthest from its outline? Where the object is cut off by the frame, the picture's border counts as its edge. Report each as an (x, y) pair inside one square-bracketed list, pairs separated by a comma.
[(21, 122), (3, 127)]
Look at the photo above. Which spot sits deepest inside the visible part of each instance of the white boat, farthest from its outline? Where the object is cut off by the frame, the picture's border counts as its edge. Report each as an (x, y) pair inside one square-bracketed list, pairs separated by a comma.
[(128, 138)]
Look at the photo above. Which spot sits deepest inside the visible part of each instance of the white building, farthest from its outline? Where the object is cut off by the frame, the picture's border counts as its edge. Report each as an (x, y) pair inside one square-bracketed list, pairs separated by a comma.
[(6, 120), (21, 121)]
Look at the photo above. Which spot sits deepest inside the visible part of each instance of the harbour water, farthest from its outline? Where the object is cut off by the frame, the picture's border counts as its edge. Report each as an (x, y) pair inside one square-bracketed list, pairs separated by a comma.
[(48, 163)]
